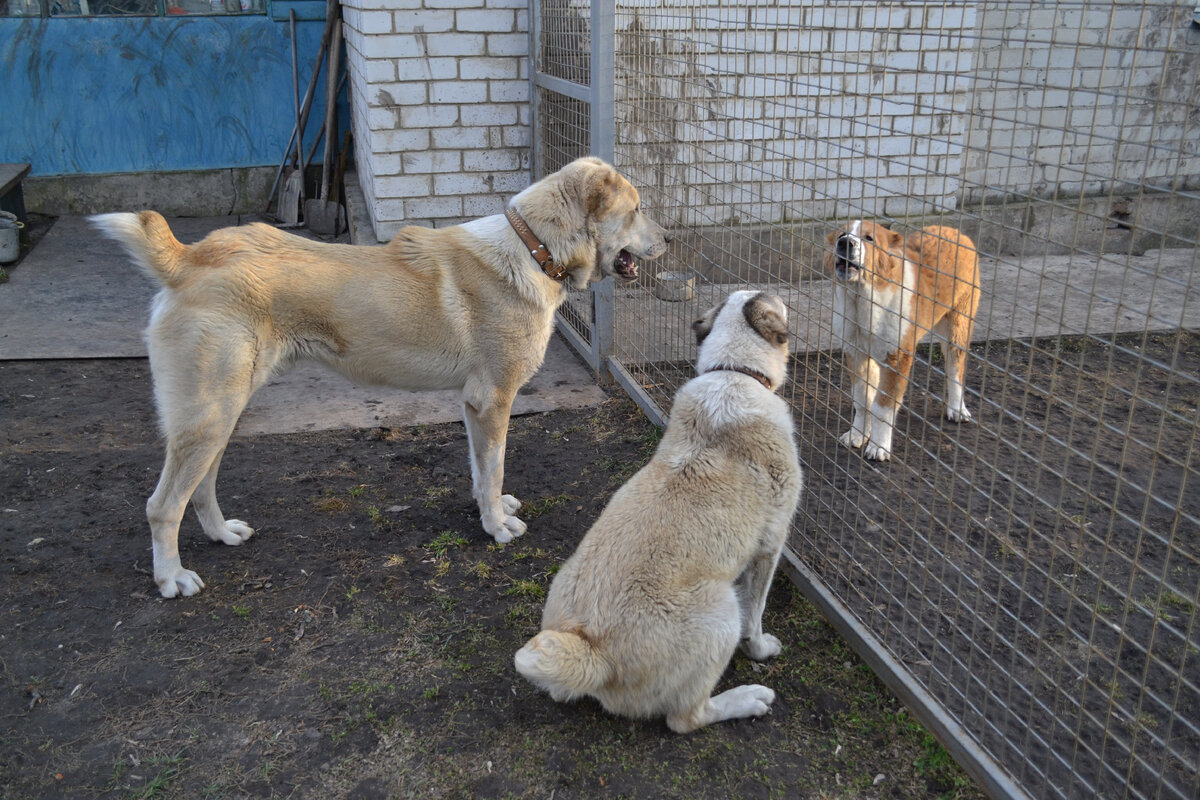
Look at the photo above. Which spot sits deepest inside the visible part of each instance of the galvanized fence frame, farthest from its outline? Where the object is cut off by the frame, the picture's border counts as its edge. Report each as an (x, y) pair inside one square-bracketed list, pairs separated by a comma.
[(1029, 585)]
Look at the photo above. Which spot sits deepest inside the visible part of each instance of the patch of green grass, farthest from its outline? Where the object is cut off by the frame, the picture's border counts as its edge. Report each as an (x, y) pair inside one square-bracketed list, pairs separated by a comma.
[(434, 495), (156, 786), (364, 688), (242, 611), (446, 541), (536, 552), (525, 588), (522, 616), (1179, 602), (357, 491), (536, 508)]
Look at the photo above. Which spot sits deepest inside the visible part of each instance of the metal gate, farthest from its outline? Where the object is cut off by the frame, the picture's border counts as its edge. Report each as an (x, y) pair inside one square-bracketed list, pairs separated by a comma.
[(1028, 583)]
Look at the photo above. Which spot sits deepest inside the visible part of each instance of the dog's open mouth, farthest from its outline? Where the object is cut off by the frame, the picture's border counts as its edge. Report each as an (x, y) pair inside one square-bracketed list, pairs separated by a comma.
[(846, 269), (625, 266)]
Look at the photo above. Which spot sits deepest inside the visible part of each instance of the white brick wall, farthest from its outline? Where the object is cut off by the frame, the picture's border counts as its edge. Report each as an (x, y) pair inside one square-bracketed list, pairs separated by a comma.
[(827, 103), (830, 109), (439, 97), (1082, 74)]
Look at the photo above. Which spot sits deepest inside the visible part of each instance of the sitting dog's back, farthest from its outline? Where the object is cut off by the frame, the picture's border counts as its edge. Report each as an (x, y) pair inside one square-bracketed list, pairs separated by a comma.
[(647, 612)]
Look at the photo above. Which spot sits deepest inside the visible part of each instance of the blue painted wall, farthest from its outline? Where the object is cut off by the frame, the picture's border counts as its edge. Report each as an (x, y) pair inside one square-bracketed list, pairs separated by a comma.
[(143, 94)]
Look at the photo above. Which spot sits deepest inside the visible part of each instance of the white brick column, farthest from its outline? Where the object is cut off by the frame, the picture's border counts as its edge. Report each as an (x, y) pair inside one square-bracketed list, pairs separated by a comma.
[(439, 98)]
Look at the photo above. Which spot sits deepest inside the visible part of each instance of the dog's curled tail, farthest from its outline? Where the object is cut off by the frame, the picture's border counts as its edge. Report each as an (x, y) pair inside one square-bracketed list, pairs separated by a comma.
[(564, 664), (148, 240)]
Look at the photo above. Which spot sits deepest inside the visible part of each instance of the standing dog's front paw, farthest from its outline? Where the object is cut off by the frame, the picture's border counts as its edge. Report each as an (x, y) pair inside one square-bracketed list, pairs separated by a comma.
[(877, 452), (763, 647), (505, 530), (179, 582), (853, 438), (510, 503), (959, 414)]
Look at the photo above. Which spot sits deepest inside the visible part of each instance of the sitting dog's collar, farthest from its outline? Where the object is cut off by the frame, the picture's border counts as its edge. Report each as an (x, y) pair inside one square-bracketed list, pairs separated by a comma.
[(539, 251), (753, 373)]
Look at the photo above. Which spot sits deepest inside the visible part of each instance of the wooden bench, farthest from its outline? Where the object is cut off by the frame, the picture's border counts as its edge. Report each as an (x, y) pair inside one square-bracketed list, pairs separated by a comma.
[(12, 196)]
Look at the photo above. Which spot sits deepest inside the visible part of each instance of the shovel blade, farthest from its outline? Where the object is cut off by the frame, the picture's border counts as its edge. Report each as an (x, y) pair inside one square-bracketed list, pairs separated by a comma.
[(323, 216), (288, 208)]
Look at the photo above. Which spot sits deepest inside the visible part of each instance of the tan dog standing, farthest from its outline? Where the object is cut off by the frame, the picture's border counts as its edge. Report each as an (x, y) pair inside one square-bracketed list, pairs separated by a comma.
[(470, 307), (674, 574), (889, 293)]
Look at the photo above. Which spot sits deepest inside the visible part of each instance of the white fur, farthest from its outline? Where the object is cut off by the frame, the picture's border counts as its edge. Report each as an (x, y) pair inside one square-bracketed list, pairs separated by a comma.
[(464, 307), (867, 321), (647, 613)]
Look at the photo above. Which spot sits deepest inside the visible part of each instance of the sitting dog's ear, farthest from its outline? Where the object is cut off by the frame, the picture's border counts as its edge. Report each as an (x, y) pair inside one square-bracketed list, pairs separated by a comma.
[(703, 326), (765, 319)]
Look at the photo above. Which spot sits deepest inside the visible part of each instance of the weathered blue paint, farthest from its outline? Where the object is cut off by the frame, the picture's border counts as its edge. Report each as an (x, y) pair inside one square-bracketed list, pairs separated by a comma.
[(121, 95)]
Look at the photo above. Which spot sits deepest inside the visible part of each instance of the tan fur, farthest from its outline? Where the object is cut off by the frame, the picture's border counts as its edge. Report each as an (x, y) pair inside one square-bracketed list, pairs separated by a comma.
[(880, 323), (647, 612), (461, 307)]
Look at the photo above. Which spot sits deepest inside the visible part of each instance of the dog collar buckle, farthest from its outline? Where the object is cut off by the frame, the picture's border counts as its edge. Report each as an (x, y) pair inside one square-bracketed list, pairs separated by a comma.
[(539, 251)]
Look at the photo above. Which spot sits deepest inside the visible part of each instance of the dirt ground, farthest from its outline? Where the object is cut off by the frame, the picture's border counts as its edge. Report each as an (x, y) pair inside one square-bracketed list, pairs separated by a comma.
[(360, 645), (1037, 570), (1039, 565)]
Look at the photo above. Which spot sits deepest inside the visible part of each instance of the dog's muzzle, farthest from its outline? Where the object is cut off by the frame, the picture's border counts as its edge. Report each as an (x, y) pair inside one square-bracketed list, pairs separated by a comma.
[(847, 257)]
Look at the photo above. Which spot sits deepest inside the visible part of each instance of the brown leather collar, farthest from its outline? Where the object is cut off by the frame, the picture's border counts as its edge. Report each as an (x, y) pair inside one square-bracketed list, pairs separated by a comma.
[(753, 373), (539, 251)]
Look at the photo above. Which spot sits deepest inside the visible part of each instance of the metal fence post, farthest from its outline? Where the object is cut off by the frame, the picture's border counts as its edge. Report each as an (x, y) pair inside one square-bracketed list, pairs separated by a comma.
[(603, 134)]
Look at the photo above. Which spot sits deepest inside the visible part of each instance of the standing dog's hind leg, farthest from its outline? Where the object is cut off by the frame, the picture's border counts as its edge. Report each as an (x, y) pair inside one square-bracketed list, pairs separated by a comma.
[(957, 331), (204, 500), (185, 468), (196, 439)]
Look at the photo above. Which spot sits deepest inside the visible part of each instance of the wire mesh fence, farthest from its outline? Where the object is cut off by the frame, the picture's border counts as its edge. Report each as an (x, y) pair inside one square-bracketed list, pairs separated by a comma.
[(1030, 577)]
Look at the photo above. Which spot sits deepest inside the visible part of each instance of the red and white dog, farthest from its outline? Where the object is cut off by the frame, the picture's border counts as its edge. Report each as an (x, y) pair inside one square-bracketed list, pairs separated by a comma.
[(889, 293)]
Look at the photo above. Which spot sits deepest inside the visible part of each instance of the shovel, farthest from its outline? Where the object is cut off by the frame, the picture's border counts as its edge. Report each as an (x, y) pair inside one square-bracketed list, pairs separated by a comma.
[(292, 194), (323, 215), (330, 14)]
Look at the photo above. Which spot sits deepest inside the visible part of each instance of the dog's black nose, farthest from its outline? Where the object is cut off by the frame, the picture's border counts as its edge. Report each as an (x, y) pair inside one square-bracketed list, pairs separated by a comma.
[(843, 246)]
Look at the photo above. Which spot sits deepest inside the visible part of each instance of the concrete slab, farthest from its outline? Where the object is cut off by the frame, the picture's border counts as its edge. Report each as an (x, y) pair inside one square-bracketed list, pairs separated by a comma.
[(1043, 295), (77, 296)]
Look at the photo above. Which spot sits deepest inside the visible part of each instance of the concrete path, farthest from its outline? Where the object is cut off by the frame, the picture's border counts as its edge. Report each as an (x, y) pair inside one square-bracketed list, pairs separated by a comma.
[(1044, 295), (77, 296)]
